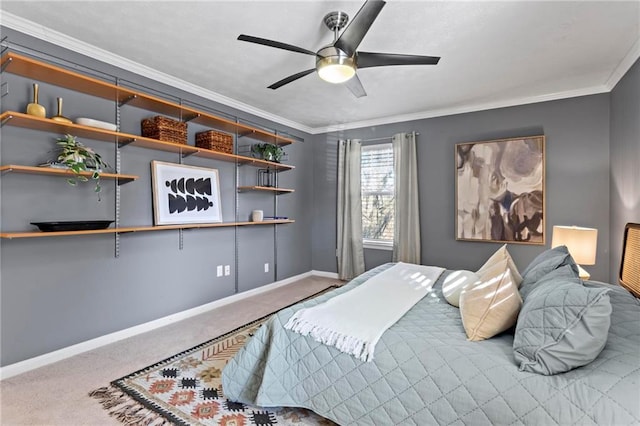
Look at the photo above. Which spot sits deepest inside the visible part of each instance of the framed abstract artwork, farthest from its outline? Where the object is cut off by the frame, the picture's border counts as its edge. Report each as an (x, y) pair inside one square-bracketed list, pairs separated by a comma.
[(185, 194), (500, 190)]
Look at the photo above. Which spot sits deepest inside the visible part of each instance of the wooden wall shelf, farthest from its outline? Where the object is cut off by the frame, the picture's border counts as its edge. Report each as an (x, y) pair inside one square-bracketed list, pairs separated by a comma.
[(185, 113), (124, 230), (37, 70), (41, 71), (55, 75), (120, 178), (19, 119), (278, 191)]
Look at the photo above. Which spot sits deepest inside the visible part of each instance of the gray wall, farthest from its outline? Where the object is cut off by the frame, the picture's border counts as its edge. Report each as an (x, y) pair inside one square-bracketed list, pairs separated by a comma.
[(625, 161), (577, 178), (56, 292)]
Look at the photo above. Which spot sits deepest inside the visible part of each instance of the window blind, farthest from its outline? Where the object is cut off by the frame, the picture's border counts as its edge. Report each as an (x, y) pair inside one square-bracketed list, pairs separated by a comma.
[(377, 182)]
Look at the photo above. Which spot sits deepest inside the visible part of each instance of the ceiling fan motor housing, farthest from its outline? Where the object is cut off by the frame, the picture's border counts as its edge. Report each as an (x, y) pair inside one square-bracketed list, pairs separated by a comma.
[(336, 21)]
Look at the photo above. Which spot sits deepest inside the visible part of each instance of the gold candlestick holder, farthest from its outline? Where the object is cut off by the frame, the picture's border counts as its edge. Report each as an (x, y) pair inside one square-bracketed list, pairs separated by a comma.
[(59, 116)]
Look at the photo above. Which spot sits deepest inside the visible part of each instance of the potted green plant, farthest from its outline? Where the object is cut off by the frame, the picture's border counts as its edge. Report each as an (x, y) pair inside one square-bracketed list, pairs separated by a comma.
[(80, 158), (268, 151)]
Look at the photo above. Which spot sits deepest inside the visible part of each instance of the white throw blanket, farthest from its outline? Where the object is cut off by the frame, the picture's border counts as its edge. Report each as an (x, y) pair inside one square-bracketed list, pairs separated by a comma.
[(354, 321)]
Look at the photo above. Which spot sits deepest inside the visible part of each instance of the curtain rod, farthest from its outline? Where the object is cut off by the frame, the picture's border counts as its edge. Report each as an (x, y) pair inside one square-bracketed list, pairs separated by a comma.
[(383, 139)]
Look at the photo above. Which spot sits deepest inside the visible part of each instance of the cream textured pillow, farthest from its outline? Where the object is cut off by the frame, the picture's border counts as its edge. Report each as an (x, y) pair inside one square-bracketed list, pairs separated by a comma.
[(490, 306), (501, 254), (455, 282)]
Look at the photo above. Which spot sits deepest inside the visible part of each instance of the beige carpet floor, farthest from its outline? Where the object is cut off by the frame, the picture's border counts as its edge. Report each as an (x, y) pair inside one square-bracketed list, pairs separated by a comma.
[(57, 394)]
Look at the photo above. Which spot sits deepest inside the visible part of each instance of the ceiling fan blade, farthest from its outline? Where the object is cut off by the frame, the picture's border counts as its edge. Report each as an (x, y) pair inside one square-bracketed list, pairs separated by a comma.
[(276, 44), (291, 78), (368, 59), (351, 37), (355, 85)]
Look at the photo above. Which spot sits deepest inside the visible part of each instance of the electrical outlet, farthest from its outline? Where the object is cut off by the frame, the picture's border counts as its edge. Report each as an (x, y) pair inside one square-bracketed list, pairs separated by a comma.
[(227, 270), (266, 267), (219, 271)]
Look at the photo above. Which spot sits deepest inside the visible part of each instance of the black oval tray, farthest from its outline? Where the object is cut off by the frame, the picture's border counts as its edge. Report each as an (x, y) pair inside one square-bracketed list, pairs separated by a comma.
[(78, 225)]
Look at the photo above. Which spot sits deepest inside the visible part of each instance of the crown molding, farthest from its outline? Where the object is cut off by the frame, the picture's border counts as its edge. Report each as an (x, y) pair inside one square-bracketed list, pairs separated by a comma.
[(464, 109), (41, 32), (625, 65)]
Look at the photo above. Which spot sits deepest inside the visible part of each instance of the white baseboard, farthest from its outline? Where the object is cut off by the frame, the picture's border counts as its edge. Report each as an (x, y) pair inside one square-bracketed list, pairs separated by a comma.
[(55, 356), (325, 274)]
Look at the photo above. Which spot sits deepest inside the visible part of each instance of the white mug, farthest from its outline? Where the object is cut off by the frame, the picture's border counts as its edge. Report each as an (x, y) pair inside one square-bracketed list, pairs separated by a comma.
[(257, 215)]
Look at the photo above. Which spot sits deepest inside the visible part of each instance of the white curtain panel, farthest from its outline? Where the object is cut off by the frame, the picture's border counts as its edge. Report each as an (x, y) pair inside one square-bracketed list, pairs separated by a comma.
[(406, 232), (350, 252)]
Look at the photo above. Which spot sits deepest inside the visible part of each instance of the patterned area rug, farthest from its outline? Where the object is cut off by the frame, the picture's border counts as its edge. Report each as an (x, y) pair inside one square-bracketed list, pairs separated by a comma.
[(186, 389)]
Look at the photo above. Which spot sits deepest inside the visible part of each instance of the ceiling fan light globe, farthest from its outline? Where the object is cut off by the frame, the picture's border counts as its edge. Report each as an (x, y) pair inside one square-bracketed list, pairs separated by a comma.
[(336, 69)]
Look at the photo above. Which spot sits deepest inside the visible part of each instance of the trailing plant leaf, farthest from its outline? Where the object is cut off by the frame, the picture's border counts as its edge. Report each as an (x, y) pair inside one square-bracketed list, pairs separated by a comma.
[(80, 158)]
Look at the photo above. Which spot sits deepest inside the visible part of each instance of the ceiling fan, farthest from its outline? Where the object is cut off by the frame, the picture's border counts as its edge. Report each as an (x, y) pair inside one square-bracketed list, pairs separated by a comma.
[(337, 62)]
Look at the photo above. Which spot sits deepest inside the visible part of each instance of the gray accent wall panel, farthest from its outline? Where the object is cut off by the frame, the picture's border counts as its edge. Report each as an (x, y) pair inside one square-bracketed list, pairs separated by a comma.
[(56, 292), (255, 248), (323, 228), (577, 178), (299, 206), (625, 161)]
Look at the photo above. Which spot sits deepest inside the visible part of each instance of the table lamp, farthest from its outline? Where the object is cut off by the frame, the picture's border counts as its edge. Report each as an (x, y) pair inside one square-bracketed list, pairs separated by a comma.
[(581, 242)]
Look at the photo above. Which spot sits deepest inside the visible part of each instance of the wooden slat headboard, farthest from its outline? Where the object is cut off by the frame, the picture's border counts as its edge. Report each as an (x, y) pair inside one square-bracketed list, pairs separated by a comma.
[(630, 266)]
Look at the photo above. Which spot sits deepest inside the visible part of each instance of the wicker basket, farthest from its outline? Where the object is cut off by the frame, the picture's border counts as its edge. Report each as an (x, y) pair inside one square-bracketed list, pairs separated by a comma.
[(165, 129), (216, 141)]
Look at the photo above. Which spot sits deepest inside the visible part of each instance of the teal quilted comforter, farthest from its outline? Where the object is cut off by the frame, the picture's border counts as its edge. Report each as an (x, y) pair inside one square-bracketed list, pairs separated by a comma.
[(425, 372)]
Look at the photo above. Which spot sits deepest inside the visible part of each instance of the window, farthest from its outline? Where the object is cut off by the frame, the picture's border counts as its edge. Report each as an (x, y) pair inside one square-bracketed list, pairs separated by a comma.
[(377, 181)]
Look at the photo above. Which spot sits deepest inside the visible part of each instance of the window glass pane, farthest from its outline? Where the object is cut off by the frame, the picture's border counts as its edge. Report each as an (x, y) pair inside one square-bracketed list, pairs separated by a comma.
[(377, 182)]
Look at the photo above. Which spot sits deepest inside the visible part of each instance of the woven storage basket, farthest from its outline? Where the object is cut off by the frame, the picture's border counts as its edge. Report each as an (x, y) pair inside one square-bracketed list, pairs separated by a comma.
[(216, 141), (165, 129)]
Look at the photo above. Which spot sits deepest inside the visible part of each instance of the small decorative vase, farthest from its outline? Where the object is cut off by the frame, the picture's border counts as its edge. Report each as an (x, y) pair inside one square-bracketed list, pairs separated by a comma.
[(35, 108), (257, 215), (59, 116)]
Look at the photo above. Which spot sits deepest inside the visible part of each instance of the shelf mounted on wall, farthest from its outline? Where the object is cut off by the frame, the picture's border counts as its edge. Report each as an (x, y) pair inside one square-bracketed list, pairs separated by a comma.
[(131, 229), (40, 71)]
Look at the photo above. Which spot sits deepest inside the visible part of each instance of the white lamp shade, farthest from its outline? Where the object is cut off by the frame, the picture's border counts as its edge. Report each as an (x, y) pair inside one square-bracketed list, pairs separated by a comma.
[(581, 242)]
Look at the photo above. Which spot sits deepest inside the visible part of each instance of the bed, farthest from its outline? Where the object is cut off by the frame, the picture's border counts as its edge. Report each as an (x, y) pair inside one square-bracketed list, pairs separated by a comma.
[(425, 371)]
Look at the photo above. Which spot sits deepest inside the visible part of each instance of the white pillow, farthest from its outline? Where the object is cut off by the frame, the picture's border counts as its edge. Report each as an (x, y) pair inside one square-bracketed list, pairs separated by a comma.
[(490, 306), (501, 254), (455, 282)]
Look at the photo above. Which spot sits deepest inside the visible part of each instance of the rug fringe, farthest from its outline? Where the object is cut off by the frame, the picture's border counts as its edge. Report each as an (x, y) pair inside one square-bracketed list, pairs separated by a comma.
[(126, 410), (109, 397)]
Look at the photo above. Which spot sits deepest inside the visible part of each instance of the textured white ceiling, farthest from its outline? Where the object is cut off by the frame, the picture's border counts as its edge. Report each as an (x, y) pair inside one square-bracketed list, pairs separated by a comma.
[(493, 53)]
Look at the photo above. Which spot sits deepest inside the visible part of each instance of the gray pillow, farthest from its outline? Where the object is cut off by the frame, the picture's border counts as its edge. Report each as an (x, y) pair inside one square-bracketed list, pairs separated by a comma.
[(560, 273), (545, 262), (562, 325)]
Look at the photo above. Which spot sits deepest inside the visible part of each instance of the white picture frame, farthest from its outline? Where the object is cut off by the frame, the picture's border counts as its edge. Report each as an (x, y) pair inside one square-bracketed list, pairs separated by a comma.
[(185, 194)]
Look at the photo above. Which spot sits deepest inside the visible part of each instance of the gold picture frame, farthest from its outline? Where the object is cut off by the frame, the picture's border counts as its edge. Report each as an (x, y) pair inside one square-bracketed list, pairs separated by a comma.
[(500, 190)]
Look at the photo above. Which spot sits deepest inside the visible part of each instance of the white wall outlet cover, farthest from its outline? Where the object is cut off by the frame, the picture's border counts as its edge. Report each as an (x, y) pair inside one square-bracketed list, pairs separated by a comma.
[(266, 267), (227, 270), (219, 271)]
